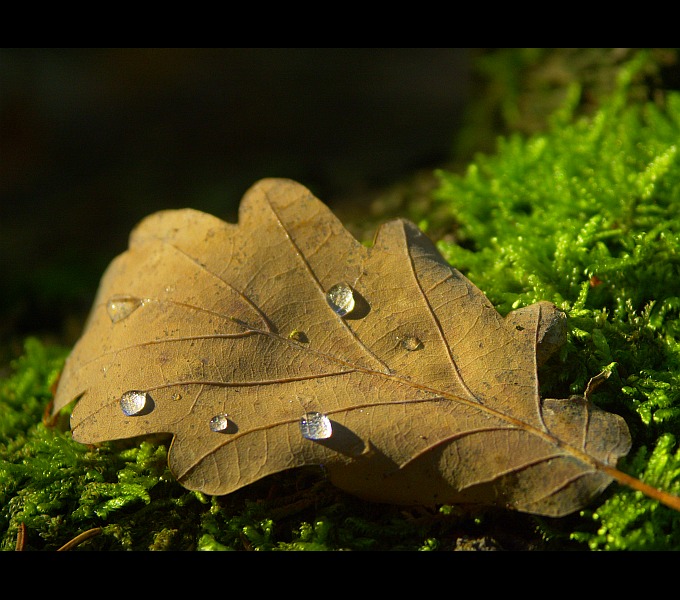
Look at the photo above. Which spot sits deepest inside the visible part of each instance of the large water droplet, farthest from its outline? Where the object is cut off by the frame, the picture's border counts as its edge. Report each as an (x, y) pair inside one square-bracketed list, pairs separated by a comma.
[(219, 423), (120, 307), (134, 402), (411, 343), (315, 426), (341, 299)]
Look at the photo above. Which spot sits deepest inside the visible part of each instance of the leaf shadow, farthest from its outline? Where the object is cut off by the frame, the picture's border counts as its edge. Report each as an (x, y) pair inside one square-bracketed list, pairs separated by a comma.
[(361, 307), (343, 441)]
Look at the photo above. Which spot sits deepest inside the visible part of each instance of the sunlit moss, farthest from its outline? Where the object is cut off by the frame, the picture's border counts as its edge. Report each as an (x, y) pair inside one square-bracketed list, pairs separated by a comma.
[(631, 521), (587, 215)]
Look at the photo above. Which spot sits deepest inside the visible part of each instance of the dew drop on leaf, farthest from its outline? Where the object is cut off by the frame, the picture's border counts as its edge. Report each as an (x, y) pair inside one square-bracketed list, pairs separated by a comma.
[(219, 423), (411, 343), (298, 336), (315, 426), (341, 299), (121, 307), (134, 402)]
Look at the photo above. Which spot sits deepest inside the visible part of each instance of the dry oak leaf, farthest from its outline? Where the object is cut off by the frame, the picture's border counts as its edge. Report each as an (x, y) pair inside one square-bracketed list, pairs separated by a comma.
[(226, 335)]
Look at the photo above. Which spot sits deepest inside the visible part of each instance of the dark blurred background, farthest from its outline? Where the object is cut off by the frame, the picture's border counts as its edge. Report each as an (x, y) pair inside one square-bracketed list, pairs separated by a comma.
[(93, 140)]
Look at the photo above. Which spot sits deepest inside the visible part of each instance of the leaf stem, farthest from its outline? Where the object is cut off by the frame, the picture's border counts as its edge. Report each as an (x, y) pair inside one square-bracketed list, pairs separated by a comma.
[(665, 498)]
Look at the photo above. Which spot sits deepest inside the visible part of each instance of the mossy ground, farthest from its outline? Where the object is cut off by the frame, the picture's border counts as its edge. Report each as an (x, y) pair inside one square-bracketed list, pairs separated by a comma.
[(585, 214)]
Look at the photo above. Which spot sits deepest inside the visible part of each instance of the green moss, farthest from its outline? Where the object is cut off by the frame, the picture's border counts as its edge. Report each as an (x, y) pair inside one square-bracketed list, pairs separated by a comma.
[(631, 521), (587, 215)]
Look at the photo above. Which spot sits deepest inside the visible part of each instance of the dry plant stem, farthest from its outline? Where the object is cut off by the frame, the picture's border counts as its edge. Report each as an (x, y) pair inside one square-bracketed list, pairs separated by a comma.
[(664, 497), (79, 539), (21, 537)]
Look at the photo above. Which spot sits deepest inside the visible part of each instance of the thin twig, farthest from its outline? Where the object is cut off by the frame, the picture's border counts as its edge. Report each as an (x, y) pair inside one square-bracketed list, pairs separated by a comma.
[(21, 537), (80, 538)]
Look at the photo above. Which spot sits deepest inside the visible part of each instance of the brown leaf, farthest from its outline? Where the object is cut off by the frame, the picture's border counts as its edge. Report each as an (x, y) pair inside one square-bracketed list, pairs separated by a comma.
[(432, 396)]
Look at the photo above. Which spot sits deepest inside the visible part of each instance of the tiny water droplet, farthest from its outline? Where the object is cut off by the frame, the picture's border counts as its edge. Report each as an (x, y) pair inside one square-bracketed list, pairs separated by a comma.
[(411, 343), (120, 307), (219, 423), (341, 299), (177, 396), (315, 426), (134, 402), (298, 336)]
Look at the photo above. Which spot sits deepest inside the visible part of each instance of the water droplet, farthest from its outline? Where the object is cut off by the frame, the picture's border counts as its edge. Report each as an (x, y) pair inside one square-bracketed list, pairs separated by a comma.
[(341, 299), (219, 423), (411, 343), (298, 336), (177, 396), (134, 402), (315, 426), (120, 307)]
